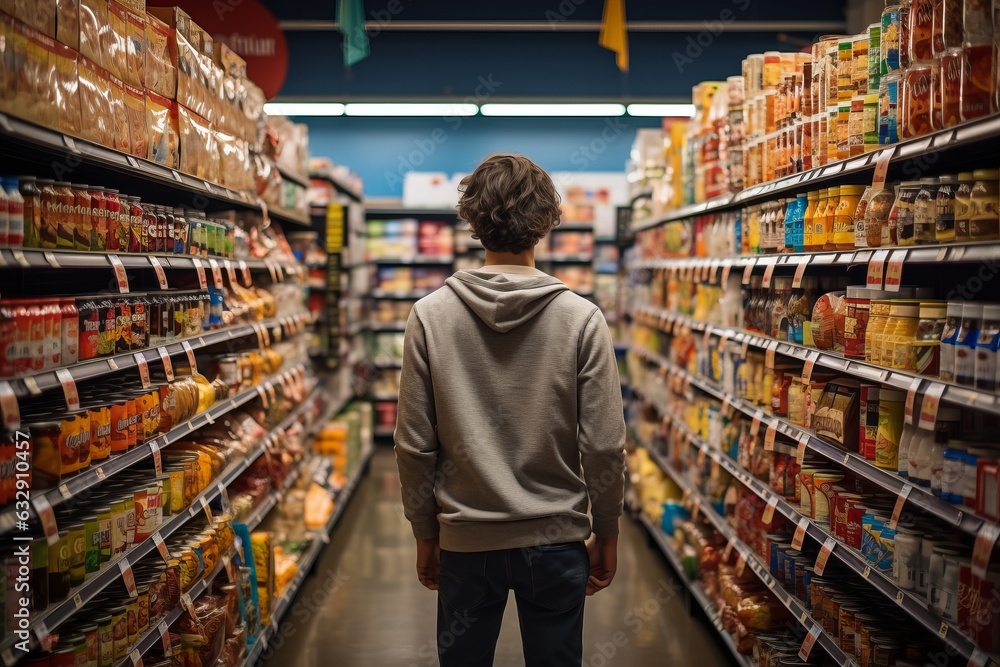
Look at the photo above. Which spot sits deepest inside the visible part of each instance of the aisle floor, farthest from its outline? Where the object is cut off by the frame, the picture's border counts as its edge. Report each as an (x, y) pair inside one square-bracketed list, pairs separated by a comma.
[(364, 606)]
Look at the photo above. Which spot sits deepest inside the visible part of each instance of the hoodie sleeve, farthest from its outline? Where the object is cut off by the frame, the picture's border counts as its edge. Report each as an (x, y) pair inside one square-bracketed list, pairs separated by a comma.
[(601, 425), (416, 433)]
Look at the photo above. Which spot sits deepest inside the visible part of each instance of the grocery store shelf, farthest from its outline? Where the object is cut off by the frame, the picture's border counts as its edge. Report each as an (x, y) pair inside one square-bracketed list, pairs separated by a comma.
[(357, 328), (29, 146), (957, 516), (95, 475), (38, 383), (908, 603), (978, 136), (404, 212), (298, 179), (566, 259), (420, 259), (759, 567), (694, 588), (340, 185), (968, 397), (969, 252), (36, 258), (387, 363), (384, 431), (294, 216), (306, 562), (400, 294)]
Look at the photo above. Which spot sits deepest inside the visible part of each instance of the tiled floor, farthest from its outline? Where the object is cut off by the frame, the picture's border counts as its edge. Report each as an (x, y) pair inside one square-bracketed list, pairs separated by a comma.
[(363, 605)]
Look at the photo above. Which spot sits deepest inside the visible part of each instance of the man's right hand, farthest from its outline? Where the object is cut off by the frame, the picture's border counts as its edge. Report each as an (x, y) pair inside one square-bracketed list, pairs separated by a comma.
[(603, 554)]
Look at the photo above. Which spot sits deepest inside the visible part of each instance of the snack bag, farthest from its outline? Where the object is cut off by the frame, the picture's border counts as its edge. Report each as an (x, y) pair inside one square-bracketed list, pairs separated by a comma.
[(161, 120), (95, 103)]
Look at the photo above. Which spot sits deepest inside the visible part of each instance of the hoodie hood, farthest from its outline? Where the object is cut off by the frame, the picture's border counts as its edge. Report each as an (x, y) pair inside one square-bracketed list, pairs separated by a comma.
[(501, 303)]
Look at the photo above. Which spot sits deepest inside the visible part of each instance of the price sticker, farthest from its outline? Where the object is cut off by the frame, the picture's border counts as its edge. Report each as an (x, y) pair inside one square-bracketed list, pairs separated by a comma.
[(701, 457), (728, 551), (168, 648), (140, 361), (707, 339), (154, 447), (216, 273), (695, 510), (943, 630), (808, 366), (245, 272), (230, 272), (65, 492), (800, 534), (725, 274), (824, 555), (809, 642), (200, 269), (772, 504), (897, 510), (876, 269), (768, 272), (263, 397), (744, 348), (894, 270), (769, 435), (769, 353), (748, 270), (50, 257), (112, 364), (982, 549), (69, 389), (100, 474), (270, 269), (324, 536), (978, 658), (723, 340), (280, 271), (929, 406), (227, 563), (47, 517), (741, 564), (800, 453), (190, 355), (800, 272), (713, 271), (120, 276), (136, 658), (168, 366), (208, 510), (911, 397), (128, 577), (77, 601), (161, 546), (755, 424), (188, 605), (161, 275), (9, 406), (272, 394), (224, 498)]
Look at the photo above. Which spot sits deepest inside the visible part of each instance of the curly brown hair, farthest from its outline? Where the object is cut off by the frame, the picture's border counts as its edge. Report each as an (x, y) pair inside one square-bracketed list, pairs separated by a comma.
[(509, 202)]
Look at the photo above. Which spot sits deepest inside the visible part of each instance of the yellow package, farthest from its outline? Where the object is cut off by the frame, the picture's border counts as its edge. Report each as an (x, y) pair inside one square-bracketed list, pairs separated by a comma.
[(93, 28), (135, 50), (66, 85), (199, 154), (68, 23), (119, 116)]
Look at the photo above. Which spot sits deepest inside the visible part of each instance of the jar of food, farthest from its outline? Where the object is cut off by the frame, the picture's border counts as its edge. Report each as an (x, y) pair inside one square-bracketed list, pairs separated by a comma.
[(952, 63), (944, 217), (857, 301), (888, 112), (977, 83), (963, 205), (921, 30), (808, 219), (832, 204), (915, 111), (901, 331), (878, 318), (889, 39), (858, 220), (925, 212), (849, 196), (904, 207), (965, 343), (984, 224), (986, 349), (877, 217), (927, 340)]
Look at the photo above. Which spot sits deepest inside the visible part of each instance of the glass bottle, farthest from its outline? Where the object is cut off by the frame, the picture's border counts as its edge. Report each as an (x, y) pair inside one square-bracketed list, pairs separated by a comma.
[(944, 204), (924, 210), (963, 205), (904, 212)]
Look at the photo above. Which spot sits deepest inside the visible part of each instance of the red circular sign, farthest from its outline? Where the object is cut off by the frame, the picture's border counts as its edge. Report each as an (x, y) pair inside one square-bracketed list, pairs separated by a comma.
[(249, 29)]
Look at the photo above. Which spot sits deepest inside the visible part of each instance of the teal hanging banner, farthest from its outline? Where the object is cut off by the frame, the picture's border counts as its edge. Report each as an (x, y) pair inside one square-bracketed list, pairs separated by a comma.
[(351, 24)]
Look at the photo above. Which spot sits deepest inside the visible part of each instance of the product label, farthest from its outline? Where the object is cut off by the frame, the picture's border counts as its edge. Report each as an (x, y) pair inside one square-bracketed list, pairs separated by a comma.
[(161, 276), (800, 534), (929, 406), (748, 270)]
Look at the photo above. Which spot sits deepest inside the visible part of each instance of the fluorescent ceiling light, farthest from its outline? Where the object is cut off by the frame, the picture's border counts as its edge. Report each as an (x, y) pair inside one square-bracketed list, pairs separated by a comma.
[(552, 110), (304, 109), (411, 109), (661, 110)]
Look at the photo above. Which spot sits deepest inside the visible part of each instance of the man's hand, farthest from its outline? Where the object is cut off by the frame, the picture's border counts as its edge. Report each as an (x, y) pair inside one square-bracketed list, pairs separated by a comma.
[(429, 562), (603, 554)]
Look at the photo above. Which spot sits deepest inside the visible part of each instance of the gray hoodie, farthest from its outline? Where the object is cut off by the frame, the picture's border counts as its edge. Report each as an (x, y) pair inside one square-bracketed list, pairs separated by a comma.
[(510, 415)]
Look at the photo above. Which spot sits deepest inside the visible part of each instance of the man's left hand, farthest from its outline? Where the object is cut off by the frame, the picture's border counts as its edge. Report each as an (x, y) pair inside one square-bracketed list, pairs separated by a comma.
[(429, 562)]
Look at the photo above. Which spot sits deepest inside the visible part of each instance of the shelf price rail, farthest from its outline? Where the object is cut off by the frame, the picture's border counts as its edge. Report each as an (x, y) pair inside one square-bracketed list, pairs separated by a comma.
[(58, 613), (973, 136), (956, 394), (909, 603), (752, 560), (956, 516)]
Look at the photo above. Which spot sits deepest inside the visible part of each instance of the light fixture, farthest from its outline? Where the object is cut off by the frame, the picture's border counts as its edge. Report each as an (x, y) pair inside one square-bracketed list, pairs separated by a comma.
[(304, 109), (410, 109), (661, 110), (552, 110)]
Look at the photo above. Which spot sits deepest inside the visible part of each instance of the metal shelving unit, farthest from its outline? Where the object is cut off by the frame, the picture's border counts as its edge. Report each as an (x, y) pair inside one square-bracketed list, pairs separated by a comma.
[(341, 186)]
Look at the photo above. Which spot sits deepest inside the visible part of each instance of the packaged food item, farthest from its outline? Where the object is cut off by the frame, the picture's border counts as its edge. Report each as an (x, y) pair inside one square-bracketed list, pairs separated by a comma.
[(135, 50), (68, 23), (199, 154), (121, 139), (161, 120), (927, 340), (877, 217), (836, 416), (135, 111), (115, 37), (825, 324), (230, 62), (984, 224), (888, 108), (34, 97), (986, 349), (95, 104), (93, 29), (65, 84), (160, 69), (915, 106)]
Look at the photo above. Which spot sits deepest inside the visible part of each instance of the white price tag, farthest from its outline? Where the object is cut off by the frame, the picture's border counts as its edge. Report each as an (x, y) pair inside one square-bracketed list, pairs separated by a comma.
[(911, 397), (154, 447), (245, 271), (768, 273), (824, 555), (200, 269), (128, 577), (800, 534), (769, 435), (140, 361), (898, 509), (876, 269), (800, 272), (190, 355), (10, 408), (800, 452), (270, 269), (772, 504), (168, 366), (748, 270), (161, 276), (929, 406), (20, 258), (894, 270), (208, 510), (50, 257), (120, 276), (230, 271), (755, 424), (69, 389), (216, 274), (809, 642), (47, 517), (161, 546), (65, 492)]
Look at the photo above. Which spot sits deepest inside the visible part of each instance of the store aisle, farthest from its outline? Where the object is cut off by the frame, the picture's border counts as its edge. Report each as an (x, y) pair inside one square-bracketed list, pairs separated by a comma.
[(364, 606)]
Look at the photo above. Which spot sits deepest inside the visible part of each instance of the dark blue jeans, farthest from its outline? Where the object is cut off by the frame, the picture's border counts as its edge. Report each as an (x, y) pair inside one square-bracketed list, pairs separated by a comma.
[(549, 584)]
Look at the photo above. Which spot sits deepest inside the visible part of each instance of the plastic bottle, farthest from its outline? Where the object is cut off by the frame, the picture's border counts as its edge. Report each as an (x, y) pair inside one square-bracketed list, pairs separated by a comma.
[(909, 440), (949, 337), (965, 344), (986, 349)]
